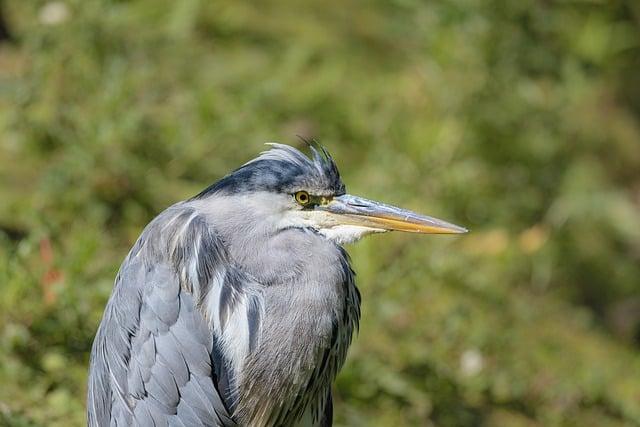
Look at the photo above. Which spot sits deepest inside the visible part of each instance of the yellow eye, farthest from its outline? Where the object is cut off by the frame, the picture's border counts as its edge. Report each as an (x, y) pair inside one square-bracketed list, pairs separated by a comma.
[(302, 197)]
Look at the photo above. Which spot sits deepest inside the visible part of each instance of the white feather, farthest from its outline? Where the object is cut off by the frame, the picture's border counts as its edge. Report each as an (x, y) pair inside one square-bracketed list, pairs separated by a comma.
[(343, 234)]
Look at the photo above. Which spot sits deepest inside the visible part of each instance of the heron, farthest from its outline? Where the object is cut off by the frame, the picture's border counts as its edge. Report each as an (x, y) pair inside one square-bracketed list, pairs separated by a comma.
[(236, 307)]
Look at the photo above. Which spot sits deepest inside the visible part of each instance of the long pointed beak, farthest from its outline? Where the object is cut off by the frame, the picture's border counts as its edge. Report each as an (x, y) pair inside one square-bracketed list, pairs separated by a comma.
[(352, 210)]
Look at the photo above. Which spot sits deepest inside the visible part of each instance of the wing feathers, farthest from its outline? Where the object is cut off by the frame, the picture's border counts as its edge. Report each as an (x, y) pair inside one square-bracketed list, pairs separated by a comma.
[(156, 360)]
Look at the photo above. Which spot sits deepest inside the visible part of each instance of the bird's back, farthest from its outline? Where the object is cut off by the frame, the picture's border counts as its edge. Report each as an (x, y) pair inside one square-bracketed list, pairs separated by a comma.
[(152, 361)]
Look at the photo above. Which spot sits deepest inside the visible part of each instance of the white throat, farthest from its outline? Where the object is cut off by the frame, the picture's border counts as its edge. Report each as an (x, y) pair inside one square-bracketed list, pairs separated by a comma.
[(343, 234)]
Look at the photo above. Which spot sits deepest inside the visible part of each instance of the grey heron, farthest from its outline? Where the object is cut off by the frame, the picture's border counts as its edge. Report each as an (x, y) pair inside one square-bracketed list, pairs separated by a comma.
[(237, 306)]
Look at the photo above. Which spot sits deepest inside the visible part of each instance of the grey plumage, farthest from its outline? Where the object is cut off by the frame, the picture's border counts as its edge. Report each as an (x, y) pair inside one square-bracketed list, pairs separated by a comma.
[(237, 307), (153, 349)]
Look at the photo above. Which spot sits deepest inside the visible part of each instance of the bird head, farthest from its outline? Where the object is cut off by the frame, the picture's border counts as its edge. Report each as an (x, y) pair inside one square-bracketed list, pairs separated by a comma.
[(286, 189)]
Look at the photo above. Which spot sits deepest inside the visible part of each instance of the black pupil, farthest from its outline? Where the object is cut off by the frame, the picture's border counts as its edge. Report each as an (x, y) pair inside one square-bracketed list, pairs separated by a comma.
[(303, 197)]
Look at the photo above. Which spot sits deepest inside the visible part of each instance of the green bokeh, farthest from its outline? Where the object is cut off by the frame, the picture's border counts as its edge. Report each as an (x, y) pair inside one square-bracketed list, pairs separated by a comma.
[(518, 119)]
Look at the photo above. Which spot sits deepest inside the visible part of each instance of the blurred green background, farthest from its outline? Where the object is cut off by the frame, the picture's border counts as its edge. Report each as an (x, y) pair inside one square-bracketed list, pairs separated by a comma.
[(518, 119)]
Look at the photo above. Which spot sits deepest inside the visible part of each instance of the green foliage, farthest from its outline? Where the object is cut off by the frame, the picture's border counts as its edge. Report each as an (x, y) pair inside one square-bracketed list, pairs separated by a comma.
[(517, 119)]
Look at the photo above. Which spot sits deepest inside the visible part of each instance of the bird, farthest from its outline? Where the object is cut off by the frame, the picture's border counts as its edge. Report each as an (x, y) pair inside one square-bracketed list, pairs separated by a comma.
[(237, 306)]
